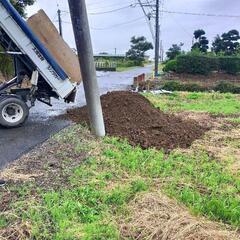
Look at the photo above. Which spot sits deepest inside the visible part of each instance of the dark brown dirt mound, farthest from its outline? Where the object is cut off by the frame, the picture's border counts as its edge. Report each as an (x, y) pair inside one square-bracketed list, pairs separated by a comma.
[(132, 116)]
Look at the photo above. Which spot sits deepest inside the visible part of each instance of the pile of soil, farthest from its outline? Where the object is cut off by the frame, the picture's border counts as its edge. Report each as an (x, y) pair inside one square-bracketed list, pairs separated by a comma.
[(132, 116)]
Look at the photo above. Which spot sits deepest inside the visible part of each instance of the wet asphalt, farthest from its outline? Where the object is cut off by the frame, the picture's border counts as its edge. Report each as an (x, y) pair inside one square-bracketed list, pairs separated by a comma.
[(43, 122)]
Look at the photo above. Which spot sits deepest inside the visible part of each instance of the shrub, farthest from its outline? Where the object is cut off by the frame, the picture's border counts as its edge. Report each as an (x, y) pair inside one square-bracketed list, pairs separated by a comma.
[(172, 86), (195, 64), (177, 86), (126, 63), (229, 65), (193, 87), (225, 87), (170, 66)]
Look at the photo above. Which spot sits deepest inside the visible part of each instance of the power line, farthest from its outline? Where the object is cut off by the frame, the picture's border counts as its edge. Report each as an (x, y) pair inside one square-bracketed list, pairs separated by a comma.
[(112, 26), (151, 5), (201, 14), (112, 5), (147, 20), (113, 10), (175, 21), (54, 18), (110, 11), (120, 24)]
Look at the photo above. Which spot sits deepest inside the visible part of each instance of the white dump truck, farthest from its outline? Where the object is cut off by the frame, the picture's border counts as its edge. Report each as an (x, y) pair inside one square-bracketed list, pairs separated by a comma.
[(33, 63)]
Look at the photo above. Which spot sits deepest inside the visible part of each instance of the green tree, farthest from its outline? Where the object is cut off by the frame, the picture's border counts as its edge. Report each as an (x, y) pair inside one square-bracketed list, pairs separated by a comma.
[(217, 45), (139, 46), (21, 5), (201, 42), (228, 43), (198, 33), (174, 51)]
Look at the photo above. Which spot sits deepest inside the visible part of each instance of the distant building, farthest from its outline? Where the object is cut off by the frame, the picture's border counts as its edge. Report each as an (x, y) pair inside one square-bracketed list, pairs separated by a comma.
[(111, 57)]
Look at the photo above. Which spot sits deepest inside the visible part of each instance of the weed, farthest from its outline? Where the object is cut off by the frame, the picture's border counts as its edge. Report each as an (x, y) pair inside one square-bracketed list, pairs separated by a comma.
[(194, 179), (100, 231), (112, 175), (3, 221), (234, 120), (215, 103)]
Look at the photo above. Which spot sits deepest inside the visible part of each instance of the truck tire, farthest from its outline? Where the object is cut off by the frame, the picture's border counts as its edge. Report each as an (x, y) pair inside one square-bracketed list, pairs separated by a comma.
[(13, 112)]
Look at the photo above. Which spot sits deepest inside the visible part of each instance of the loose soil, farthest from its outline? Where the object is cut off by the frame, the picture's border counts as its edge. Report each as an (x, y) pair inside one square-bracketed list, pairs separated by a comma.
[(131, 116)]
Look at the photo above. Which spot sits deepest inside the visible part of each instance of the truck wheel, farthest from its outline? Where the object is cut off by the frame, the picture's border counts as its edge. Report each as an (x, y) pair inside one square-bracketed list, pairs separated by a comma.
[(13, 112)]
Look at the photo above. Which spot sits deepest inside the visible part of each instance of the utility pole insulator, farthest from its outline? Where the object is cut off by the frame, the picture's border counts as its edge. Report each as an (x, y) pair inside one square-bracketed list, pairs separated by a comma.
[(81, 30)]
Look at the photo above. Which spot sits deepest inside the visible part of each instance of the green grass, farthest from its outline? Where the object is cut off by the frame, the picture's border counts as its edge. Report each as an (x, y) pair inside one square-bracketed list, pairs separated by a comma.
[(3, 222), (214, 103), (86, 208), (99, 190), (199, 182), (97, 193), (123, 69), (234, 120)]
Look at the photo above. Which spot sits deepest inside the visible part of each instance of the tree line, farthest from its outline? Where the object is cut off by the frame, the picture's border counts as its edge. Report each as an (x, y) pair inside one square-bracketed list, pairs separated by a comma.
[(226, 44)]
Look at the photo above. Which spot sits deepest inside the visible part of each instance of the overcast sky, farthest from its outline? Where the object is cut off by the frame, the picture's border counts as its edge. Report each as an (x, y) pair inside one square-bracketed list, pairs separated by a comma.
[(109, 31)]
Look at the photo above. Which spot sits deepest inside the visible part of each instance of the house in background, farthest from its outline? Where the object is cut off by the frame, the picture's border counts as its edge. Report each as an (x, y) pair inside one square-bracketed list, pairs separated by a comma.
[(108, 62)]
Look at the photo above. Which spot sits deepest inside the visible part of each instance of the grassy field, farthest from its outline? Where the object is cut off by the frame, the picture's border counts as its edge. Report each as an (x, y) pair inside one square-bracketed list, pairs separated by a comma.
[(123, 69), (213, 103), (79, 187)]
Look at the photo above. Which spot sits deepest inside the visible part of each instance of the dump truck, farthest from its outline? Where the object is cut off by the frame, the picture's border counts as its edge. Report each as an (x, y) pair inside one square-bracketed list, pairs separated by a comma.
[(34, 65)]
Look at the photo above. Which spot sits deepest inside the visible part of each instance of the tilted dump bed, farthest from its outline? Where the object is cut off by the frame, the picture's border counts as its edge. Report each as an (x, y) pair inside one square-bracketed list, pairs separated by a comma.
[(28, 43)]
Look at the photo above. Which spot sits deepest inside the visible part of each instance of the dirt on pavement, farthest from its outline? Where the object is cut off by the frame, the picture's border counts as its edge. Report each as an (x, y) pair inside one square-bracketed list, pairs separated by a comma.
[(131, 116)]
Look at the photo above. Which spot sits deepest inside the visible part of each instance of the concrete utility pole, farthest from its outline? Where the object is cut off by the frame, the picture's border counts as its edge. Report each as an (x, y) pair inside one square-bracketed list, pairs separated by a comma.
[(157, 39), (60, 22), (161, 51), (81, 30)]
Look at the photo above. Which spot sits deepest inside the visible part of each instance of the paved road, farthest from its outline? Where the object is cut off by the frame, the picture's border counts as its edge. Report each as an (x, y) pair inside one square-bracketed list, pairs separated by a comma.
[(43, 123)]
